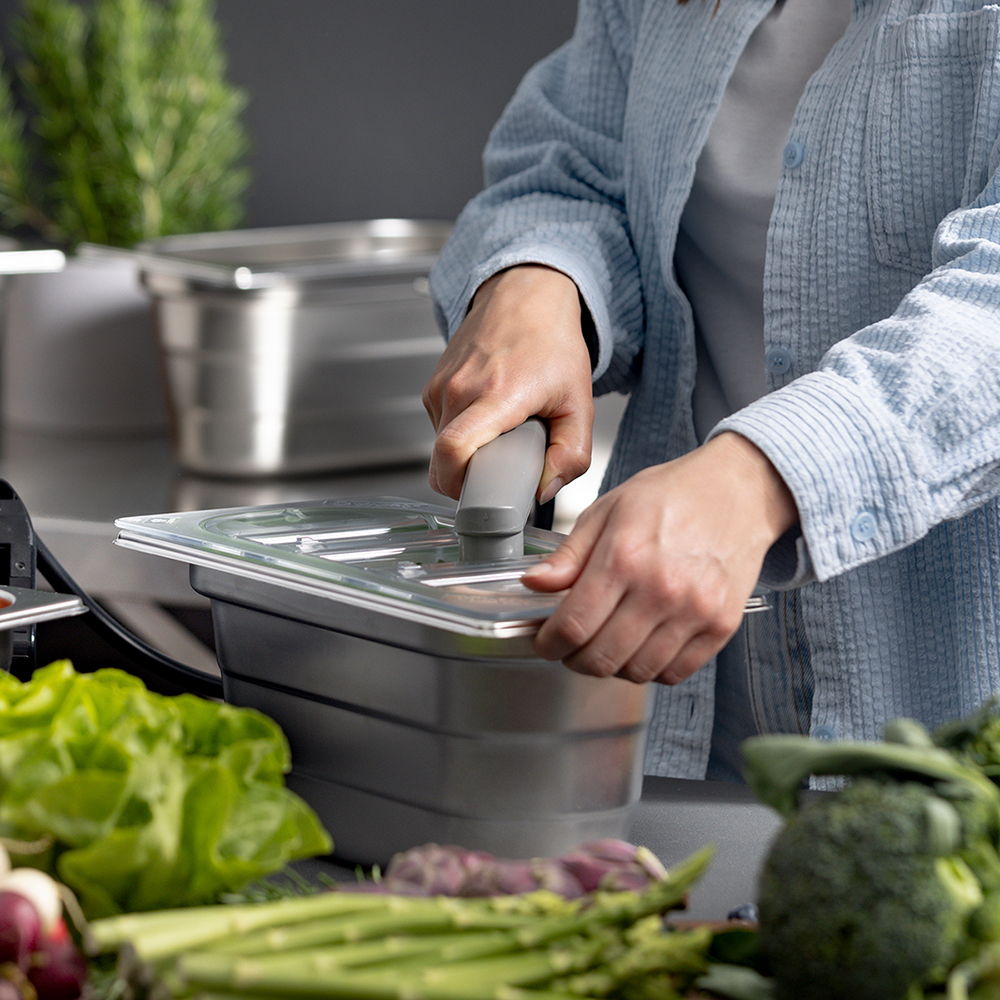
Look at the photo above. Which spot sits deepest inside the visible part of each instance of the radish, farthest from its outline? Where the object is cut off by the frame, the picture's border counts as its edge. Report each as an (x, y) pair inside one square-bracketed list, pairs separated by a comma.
[(58, 970), (20, 928), (40, 889), (34, 935)]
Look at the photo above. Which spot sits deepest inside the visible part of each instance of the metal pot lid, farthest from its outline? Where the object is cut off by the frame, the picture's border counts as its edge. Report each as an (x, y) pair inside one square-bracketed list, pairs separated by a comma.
[(397, 556)]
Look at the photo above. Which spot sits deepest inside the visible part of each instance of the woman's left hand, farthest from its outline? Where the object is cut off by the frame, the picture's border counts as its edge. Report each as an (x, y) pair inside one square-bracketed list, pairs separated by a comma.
[(658, 570)]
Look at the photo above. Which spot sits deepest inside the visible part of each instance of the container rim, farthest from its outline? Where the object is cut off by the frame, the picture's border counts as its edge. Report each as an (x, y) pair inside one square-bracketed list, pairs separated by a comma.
[(312, 252)]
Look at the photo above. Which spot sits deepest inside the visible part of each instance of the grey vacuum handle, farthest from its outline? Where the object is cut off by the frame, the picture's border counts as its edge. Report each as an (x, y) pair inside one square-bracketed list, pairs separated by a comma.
[(499, 492)]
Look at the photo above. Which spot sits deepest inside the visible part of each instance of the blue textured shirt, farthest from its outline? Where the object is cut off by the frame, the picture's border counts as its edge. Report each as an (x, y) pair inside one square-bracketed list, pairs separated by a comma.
[(882, 331)]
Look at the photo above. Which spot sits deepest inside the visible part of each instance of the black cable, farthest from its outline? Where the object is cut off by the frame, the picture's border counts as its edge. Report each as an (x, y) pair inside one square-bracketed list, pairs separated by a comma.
[(120, 638)]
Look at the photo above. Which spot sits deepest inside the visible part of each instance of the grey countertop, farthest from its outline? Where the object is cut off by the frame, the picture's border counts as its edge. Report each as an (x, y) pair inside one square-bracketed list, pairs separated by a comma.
[(674, 819)]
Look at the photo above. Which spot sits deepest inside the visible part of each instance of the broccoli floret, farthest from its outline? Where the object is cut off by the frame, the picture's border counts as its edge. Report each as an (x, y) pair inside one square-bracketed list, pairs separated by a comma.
[(975, 738), (862, 894)]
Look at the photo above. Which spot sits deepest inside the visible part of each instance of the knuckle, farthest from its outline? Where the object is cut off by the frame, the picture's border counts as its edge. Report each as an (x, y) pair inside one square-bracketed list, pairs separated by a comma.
[(628, 563), (573, 631), (639, 672), (602, 663), (429, 399), (704, 605), (454, 395)]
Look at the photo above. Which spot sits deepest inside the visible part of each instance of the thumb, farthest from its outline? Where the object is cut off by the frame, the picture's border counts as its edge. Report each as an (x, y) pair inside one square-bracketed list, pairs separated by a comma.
[(560, 569)]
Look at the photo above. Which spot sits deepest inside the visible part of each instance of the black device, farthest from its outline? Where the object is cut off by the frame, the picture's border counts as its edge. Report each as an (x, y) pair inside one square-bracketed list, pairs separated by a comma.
[(18, 558)]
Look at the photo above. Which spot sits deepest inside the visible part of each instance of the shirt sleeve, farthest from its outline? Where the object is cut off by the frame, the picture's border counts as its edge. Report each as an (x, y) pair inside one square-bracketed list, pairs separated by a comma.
[(898, 429), (554, 192)]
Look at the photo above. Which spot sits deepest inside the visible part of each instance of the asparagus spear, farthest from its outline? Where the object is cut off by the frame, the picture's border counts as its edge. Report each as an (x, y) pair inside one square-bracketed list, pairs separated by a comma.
[(384, 947)]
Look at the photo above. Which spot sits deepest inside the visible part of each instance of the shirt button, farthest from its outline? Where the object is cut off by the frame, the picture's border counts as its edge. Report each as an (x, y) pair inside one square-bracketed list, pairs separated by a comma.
[(826, 734), (778, 361), (864, 527), (793, 154)]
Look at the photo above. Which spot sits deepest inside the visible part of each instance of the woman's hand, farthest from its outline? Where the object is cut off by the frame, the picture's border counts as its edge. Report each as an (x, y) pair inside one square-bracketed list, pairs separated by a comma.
[(658, 571), (520, 352)]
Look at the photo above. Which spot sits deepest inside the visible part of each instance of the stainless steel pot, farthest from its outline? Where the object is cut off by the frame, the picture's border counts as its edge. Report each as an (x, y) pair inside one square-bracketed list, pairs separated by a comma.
[(398, 659), (298, 349)]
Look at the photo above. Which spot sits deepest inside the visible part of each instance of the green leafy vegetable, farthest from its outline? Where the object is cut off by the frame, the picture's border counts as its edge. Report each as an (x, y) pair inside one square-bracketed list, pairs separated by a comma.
[(145, 801), (889, 887)]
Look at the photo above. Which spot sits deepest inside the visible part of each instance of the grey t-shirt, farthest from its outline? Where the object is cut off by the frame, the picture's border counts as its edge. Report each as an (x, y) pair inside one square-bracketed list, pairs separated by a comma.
[(722, 240), (720, 261)]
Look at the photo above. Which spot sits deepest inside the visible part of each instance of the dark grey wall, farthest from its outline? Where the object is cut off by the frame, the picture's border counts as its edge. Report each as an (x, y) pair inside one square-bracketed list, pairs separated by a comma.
[(368, 108), (374, 108)]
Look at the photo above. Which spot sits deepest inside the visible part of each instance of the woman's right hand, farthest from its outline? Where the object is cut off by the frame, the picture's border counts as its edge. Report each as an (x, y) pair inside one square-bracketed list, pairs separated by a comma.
[(520, 352)]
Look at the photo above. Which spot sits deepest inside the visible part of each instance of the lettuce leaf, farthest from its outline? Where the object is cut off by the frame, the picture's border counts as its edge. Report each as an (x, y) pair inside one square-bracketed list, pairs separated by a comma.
[(149, 801)]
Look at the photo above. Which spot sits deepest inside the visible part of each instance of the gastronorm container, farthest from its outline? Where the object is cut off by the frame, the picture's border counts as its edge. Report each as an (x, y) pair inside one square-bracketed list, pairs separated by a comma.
[(404, 677), (296, 349)]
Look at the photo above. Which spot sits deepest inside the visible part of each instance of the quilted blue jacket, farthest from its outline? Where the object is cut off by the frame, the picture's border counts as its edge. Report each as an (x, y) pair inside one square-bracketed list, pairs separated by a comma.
[(882, 330)]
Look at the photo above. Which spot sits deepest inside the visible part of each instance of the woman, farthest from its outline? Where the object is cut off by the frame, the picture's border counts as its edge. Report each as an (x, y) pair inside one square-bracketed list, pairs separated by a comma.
[(776, 226)]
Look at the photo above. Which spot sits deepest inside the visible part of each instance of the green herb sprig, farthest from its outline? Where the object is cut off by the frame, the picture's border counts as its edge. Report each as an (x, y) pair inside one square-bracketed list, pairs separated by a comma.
[(132, 131)]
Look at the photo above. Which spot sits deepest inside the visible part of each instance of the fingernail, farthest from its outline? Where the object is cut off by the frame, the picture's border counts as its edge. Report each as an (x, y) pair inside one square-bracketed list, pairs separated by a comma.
[(551, 490), (542, 568)]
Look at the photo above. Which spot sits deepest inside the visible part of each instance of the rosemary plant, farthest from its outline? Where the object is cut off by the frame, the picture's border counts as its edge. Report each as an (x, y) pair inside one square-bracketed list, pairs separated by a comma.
[(131, 130)]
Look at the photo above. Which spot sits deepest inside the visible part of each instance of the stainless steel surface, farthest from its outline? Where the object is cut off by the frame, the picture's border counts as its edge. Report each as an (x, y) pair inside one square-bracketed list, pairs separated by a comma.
[(78, 352), (518, 757), (20, 606), (319, 371), (498, 494), (75, 486)]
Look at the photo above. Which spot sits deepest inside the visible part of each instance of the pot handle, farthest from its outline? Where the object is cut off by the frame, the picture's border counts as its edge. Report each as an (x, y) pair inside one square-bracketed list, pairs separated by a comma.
[(499, 493)]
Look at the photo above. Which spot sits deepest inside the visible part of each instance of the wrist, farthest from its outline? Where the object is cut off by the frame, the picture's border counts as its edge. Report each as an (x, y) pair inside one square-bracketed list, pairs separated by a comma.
[(765, 490)]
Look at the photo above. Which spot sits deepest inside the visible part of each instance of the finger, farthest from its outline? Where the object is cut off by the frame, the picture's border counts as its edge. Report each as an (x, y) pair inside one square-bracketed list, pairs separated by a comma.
[(458, 441), (674, 651), (429, 397), (613, 645), (673, 668), (569, 449), (581, 615), (638, 640), (560, 569)]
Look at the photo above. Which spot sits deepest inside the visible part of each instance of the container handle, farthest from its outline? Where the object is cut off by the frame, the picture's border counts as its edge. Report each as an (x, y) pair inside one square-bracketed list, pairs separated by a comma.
[(498, 494)]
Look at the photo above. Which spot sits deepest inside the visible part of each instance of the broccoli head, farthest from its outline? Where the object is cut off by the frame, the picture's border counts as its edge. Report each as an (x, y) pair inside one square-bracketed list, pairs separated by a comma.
[(863, 894)]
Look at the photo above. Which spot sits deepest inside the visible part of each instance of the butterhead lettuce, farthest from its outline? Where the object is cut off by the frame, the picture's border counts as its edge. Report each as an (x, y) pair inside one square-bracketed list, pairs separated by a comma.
[(144, 801)]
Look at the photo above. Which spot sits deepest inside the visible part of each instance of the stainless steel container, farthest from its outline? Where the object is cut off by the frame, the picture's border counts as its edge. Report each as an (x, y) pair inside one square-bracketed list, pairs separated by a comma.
[(405, 679), (296, 350)]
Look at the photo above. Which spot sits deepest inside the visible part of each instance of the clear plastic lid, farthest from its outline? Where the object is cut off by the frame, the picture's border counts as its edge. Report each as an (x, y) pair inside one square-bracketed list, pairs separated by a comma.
[(400, 556)]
